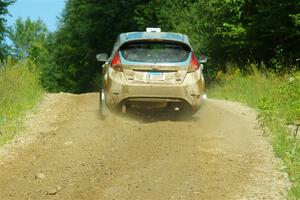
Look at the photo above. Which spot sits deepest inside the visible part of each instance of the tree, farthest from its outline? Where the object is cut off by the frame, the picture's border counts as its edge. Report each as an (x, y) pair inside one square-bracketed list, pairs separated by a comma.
[(3, 11), (29, 38), (231, 30), (213, 26), (88, 27), (272, 27), (227, 31)]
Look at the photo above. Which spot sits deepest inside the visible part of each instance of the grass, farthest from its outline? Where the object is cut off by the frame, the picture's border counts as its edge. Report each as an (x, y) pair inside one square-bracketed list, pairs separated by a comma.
[(20, 90), (277, 99)]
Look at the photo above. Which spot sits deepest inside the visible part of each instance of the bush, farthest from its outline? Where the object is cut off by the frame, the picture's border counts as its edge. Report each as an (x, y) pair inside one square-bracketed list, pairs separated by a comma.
[(20, 90)]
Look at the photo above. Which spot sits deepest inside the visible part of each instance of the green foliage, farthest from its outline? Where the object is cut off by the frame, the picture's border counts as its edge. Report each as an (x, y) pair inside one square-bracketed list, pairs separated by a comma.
[(20, 90), (277, 99), (3, 11), (231, 30), (28, 38), (236, 31), (270, 25), (87, 28), (296, 19), (31, 40)]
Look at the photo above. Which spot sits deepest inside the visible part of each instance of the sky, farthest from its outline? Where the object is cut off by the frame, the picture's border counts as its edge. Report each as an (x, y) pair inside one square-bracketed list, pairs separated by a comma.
[(47, 10)]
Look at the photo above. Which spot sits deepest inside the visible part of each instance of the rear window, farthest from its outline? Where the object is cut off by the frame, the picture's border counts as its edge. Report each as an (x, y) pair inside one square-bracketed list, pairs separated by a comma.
[(155, 52)]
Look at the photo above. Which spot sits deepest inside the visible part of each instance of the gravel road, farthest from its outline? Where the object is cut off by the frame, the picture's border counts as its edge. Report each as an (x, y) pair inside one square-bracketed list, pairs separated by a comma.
[(67, 152)]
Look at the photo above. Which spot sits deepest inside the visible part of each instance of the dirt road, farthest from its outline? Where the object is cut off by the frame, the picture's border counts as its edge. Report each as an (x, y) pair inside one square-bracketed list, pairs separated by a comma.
[(67, 152)]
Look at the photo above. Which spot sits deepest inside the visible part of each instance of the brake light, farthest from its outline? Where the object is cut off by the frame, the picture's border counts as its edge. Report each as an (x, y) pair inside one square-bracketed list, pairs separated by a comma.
[(194, 64), (116, 62)]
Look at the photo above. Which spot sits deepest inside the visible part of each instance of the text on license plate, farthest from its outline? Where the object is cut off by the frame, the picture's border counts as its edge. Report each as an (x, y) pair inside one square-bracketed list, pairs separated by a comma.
[(155, 76)]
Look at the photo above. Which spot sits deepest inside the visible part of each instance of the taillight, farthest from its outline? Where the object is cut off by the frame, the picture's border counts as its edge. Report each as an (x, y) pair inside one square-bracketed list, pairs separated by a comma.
[(116, 62), (194, 64)]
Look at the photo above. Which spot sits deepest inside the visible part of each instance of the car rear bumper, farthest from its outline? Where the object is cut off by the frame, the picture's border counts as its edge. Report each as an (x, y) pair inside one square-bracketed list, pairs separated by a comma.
[(190, 91)]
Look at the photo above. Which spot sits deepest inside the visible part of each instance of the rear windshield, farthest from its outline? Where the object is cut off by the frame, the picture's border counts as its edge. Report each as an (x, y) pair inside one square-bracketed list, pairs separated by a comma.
[(155, 52)]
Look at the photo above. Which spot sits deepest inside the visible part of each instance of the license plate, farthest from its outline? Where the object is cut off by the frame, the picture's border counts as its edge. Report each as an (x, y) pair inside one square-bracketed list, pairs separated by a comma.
[(155, 76)]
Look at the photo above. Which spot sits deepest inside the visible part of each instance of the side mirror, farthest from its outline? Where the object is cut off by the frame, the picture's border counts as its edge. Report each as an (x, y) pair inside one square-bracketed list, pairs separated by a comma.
[(102, 57), (202, 59)]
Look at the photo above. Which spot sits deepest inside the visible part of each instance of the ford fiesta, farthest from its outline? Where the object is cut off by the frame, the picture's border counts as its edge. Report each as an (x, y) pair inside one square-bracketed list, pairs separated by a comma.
[(152, 70)]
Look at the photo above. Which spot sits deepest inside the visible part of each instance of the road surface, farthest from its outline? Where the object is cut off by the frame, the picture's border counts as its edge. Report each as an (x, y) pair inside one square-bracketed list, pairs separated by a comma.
[(67, 152)]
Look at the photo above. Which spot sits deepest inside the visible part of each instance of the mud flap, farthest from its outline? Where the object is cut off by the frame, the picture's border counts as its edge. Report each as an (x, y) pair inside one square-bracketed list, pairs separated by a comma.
[(197, 114), (124, 108), (103, 109)]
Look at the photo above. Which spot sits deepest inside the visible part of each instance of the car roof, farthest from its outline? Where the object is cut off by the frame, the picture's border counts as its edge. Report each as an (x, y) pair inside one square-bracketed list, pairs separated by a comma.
[(169, 36)]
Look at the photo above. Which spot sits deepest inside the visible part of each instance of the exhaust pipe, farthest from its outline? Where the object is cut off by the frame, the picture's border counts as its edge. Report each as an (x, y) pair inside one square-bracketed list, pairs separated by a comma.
[(176, 108)]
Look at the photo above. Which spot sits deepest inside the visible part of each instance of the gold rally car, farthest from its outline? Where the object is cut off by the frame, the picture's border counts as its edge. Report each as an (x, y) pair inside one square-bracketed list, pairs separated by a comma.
[(152, 70)]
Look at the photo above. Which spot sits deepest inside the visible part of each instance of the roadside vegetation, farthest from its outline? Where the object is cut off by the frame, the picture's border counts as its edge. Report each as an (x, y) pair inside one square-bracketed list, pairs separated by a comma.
[(277, 100), (235, 31), (20, 91)]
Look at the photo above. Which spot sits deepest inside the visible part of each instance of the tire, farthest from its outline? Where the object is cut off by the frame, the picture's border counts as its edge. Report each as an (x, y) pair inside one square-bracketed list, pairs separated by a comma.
[(101, 104), (103, 109)]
